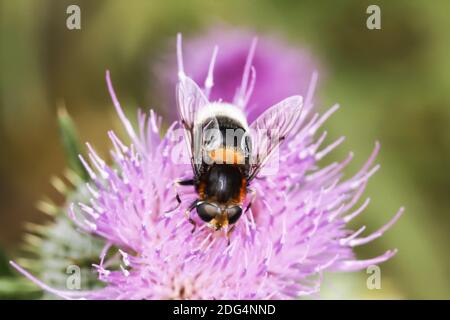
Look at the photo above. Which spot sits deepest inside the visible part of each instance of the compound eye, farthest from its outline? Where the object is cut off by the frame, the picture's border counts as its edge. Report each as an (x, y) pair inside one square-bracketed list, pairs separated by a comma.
[(207, 211), (233, 214)]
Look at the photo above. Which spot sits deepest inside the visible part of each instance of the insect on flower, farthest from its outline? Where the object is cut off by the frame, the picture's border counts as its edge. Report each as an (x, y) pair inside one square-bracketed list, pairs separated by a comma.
[(295, 231), (226, 152)]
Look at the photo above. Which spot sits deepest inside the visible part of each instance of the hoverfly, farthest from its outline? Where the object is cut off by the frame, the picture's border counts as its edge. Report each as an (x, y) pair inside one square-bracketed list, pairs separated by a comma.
[(227, 153)]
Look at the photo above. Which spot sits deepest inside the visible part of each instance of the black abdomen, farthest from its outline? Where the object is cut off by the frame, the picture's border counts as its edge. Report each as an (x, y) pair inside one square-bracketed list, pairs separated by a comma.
[(223, 183)]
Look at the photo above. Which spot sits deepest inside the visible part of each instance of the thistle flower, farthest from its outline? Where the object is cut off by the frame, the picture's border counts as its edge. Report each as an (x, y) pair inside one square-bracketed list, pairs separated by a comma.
[(295, 231)]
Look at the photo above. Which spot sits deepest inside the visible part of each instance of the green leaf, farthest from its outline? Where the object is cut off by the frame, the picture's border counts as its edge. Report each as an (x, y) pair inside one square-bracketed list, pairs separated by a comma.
[(70, 141), (5, 269), (18, 288), (13, 286)]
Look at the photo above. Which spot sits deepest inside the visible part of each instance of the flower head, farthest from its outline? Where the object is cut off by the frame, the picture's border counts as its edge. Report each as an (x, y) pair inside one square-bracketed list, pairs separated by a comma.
[(295, 230)]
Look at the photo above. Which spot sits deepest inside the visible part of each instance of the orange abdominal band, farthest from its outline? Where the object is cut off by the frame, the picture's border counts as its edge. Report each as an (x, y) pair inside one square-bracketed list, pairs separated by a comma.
[(227, 155), (243, 190)]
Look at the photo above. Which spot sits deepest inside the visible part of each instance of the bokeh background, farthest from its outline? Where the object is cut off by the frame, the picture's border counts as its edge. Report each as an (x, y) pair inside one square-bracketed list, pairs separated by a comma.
[(393, 85)]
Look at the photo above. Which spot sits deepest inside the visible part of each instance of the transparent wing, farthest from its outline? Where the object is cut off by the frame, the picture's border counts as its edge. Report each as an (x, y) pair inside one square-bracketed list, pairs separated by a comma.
[(190, 100), (270, 129)]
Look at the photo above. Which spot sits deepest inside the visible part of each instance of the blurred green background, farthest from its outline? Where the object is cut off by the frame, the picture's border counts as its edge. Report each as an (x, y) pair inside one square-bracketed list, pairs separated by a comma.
[(393, 85)]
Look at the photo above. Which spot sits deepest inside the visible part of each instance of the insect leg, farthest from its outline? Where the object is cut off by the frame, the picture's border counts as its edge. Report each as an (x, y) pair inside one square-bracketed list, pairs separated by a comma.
[(176, 184), (253, 192), (187, 213), (187, 182), (228, 234)]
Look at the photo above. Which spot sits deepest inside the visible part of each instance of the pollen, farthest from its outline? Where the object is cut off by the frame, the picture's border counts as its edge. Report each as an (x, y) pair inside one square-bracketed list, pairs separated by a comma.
[(220, 221)]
